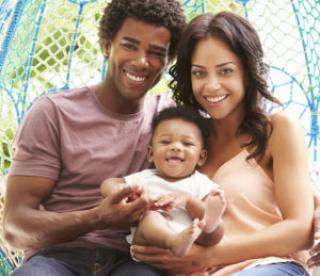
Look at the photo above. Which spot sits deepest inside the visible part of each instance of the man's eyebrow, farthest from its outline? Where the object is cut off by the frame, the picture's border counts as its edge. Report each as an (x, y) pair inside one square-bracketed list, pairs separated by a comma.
[(158, 48), (128, 38), (155, 47)]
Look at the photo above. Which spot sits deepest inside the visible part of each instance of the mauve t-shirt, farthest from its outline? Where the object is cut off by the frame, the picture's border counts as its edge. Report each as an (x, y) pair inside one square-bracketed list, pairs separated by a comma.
[(71, 138)]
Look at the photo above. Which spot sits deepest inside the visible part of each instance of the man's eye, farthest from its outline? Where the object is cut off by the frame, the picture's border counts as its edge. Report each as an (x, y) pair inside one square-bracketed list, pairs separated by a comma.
[(157, 53), (129, 46)]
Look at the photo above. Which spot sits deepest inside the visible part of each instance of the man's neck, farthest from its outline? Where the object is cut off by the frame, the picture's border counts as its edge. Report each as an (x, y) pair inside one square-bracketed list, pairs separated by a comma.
[(112, 102)]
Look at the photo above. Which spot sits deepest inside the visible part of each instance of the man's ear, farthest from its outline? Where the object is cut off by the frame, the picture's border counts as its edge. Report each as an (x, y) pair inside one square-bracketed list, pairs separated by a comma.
[(150, 154), (202, 158), (105, 47)]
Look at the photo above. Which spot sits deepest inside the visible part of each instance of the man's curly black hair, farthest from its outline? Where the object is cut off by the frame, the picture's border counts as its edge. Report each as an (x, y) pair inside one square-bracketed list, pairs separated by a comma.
[(166, 13)]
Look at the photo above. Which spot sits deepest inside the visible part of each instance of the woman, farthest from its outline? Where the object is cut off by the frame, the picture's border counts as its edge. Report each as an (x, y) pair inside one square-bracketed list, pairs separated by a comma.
[(260, 160)]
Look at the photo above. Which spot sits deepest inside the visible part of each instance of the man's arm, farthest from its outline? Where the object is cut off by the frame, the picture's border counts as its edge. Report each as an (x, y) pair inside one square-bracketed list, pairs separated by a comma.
[(26, 226)]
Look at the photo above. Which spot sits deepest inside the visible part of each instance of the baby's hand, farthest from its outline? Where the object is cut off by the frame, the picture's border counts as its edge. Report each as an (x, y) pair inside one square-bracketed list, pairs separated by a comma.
[(136, 192), (169, 201)]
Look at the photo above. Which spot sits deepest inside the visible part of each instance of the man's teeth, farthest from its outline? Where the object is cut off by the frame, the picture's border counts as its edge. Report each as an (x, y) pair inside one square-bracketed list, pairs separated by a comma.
[(135, 78), (216, 99)]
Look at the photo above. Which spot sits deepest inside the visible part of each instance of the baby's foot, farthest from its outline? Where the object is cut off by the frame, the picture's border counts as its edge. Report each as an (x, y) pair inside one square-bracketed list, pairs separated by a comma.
[(182, 241), (215, 206)]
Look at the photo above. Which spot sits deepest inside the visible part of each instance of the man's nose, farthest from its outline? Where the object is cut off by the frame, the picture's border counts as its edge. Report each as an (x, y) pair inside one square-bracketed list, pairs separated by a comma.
[(141, 60)]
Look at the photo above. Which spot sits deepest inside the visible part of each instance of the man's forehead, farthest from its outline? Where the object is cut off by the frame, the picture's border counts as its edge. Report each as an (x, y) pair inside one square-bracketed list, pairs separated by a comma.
[(152, 44), (138, 31)]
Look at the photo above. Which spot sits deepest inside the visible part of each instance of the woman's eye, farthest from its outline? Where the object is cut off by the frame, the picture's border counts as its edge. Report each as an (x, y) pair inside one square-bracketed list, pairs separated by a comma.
[(197, 73), (226, 71)]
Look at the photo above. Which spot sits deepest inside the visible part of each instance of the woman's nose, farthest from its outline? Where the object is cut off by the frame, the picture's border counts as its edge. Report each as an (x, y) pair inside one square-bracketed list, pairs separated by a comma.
[(213, 84)]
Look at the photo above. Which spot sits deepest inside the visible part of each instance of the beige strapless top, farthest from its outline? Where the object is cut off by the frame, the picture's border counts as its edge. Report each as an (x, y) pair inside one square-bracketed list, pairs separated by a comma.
[(251, 206)]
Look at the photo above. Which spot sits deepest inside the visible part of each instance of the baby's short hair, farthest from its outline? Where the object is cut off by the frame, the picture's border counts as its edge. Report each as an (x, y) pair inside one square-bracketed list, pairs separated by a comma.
[(187, 114)]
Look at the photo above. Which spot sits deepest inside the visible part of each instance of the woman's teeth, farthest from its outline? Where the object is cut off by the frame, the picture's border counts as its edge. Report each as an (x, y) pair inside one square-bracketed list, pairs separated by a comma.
[(216, 99)]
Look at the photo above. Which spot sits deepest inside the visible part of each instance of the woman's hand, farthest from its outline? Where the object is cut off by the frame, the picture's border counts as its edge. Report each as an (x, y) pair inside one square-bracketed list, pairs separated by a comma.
[(163, 259), (315, 250)]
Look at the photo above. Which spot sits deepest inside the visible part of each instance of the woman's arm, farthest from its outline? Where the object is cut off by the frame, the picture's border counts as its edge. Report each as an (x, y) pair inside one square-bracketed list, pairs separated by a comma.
[(314, 260)]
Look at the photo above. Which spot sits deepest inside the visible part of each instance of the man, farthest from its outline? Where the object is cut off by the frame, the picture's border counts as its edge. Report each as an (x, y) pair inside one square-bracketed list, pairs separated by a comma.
[(70, 142)]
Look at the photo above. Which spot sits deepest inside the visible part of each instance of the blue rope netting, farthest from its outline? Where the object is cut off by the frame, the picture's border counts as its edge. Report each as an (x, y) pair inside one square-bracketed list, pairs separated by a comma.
[(48, 46)]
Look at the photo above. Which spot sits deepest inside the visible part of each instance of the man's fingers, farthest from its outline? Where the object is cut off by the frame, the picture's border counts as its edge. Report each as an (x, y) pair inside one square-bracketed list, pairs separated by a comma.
[(125, 192), (138, 205)]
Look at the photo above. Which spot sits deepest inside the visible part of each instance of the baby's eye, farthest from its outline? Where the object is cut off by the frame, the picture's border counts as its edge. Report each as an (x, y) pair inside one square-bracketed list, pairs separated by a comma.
[(164, 142), (188, 144)]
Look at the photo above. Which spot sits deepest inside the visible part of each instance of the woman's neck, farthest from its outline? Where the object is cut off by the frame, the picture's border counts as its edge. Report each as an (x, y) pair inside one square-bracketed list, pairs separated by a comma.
[(226, 128)]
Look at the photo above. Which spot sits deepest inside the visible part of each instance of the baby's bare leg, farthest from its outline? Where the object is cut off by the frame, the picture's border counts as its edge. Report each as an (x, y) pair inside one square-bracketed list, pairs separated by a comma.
[(215, 206), (155, 230)]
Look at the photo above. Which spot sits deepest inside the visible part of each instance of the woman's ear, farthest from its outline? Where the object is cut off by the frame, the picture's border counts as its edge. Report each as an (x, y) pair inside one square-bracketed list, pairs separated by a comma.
[(202, 158)]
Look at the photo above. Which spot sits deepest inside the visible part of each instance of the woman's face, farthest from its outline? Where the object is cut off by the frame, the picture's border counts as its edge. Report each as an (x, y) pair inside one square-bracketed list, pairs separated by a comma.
[(218, 79)]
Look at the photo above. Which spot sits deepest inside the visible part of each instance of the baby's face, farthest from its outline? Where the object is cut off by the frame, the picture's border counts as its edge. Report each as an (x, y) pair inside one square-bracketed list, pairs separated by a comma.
[(176, 149)]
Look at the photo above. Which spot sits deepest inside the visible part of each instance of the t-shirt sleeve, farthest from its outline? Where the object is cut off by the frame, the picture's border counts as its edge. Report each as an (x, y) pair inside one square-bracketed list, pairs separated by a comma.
[(36, 150), (204, 185), (131, 178)]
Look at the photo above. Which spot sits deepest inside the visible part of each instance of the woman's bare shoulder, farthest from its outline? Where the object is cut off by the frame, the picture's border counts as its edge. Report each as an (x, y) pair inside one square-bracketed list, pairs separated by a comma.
[(285, 128)]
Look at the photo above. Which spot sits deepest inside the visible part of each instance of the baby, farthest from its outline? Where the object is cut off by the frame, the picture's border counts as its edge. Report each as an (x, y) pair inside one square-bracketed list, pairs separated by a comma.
[(185, 205)]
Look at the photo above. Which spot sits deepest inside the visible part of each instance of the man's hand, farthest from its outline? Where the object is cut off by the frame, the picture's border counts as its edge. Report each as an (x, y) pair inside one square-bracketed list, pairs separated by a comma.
[(314, 260), (122, 208)]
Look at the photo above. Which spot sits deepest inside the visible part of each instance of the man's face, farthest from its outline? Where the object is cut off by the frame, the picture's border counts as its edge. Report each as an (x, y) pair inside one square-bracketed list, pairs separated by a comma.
[(137, 56)]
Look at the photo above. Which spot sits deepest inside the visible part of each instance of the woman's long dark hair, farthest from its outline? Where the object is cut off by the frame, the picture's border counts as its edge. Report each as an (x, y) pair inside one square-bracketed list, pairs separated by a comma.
[(244, 41)]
